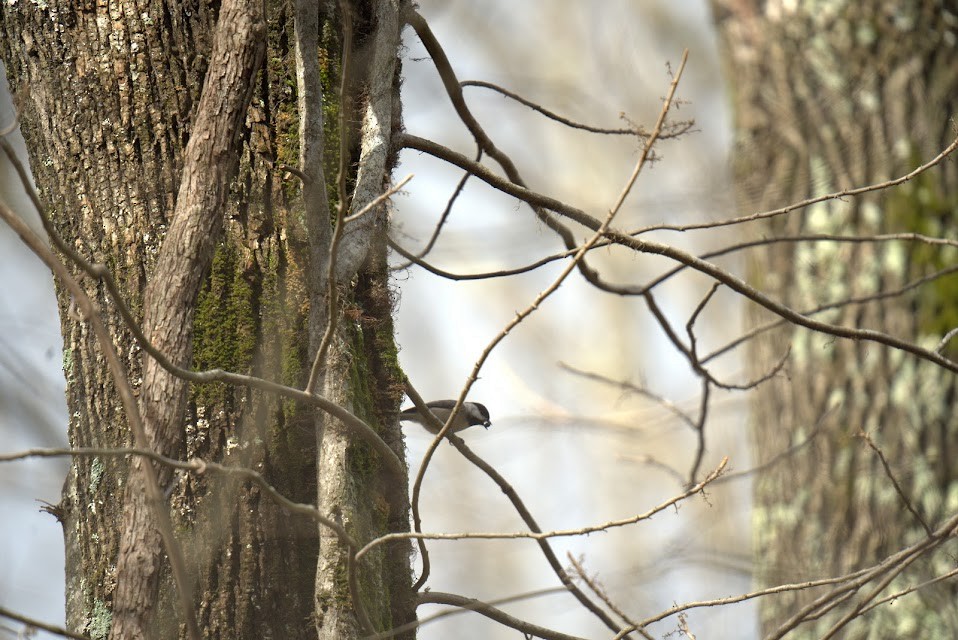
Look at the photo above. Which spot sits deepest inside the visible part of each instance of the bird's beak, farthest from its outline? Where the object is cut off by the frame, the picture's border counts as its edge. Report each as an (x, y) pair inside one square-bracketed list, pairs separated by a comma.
[(486, 424)]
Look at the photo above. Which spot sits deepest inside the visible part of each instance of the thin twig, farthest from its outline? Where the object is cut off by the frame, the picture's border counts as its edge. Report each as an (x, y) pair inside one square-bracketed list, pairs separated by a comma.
[(395, 631), (442, 219), (195, 465), (874, 297), (598, 589), (527, 628), (912, 589), (372, 204), (36, 624), (781, 455), (837, 195), (811, 237), (945, 340), (891, 476), (551, 115), (538, 534), (667, 404)]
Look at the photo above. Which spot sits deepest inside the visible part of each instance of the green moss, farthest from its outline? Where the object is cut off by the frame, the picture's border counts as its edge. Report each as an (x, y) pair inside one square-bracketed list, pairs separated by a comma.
[(388, 352), (331, 73), (225, 322), (923, 206)]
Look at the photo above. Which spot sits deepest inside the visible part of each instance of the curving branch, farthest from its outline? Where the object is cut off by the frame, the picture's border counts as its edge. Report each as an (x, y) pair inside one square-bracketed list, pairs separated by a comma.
[(647, 246), (198, 466), (484, 142), (535, 532), (472, 604), (457, 611), (36, 624), (836, 195), (417, 259), (673, 131)]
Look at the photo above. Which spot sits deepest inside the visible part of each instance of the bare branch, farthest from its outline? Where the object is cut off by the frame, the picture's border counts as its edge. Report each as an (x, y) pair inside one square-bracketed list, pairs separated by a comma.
[(812, 237), (633, 388), (891, 476), (36, 624), (945, 340), (668, 251), (196, 465), (439, 225), (837, 195), (598, 589), (486, 609), (676, 129), (537, 534), (460, 610), (881, 295), (647, 246), (892, 597)]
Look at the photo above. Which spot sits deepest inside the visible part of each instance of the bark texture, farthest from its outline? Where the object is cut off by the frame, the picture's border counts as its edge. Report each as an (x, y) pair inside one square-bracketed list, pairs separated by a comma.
[(108, 94), (830, 95)]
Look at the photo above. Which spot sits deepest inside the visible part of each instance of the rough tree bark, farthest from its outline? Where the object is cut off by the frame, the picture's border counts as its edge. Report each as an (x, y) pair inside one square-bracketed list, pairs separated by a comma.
[(828, 96), (108, 94)]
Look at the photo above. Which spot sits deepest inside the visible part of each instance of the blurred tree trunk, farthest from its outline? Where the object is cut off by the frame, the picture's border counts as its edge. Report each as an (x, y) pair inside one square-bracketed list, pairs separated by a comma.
[(107, 94), (827, 97)]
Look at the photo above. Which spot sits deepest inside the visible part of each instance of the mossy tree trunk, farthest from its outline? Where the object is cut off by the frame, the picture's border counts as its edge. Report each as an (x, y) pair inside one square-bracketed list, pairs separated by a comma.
[(108, 94), (828, 96)]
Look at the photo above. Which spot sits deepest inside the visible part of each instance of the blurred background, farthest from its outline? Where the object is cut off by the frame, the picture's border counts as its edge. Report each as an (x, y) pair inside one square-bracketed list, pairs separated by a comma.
[(576, 449)]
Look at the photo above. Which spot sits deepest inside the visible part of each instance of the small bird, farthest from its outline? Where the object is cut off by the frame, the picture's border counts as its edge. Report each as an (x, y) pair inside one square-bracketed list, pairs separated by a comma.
[(471, 414)]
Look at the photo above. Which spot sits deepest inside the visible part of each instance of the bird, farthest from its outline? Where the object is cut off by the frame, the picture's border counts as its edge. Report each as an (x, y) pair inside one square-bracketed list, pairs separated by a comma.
[(471, 414)]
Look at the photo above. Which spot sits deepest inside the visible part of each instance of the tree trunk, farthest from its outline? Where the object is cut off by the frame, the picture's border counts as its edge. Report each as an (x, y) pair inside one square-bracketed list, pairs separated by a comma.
[(827, 98), (108, 95)]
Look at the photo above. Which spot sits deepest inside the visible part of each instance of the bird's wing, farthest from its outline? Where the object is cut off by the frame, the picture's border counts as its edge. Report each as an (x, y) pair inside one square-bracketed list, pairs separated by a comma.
[(441, 404)]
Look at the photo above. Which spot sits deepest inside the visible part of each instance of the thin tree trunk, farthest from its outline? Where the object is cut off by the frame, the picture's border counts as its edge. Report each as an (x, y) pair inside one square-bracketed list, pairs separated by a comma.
[(108, 96), (827, 98)]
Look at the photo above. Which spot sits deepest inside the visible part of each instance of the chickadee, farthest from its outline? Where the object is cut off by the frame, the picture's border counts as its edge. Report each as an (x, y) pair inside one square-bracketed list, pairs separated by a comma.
[(471, 413)]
